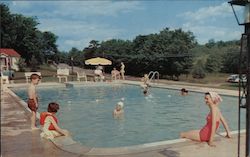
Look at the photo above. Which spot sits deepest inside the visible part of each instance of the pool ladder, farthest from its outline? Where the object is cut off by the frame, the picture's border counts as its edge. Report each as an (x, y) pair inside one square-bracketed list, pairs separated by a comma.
[(153, 75)]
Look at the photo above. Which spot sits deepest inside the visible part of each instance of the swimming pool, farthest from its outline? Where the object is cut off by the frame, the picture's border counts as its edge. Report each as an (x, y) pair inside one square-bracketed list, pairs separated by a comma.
[(86, 111)]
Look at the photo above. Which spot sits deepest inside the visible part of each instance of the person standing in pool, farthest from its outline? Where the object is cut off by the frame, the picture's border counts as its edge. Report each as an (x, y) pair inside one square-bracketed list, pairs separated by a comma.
[(118, 111), (33, 99), (145, 90), (206, 134)]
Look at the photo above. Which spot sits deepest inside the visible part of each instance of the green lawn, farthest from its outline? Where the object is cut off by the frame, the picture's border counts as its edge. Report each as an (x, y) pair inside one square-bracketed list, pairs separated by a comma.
[(48, 75), (215, 80)]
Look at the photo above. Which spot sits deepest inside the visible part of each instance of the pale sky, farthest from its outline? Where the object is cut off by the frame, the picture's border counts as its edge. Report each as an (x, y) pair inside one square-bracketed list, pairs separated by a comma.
[(76, 23)]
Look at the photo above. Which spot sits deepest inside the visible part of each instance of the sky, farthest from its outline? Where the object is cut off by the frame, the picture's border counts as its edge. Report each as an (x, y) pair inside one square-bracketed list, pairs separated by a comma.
[(76, 23)]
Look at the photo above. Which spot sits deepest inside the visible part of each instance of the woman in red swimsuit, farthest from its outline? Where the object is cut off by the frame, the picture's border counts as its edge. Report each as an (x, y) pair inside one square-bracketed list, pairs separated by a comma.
[(206, 134)]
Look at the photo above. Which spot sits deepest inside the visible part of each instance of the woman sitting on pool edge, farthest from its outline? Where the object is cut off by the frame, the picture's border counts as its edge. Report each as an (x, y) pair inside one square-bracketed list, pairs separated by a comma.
[(49, 123), (206, 134)]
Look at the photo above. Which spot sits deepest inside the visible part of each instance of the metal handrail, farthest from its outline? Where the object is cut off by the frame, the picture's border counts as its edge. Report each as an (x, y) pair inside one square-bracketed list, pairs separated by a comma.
[(154, 74)]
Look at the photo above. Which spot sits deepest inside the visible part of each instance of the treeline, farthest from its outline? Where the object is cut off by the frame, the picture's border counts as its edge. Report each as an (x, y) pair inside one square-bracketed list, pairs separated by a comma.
[(20, 33), (216, 57), (167, 52), (170, 52)]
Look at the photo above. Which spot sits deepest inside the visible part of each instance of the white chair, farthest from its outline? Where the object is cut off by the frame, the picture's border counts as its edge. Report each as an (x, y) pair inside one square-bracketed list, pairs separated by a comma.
[(81, 75), (115, 74), (63, 74), (4, 79), (28, 74)]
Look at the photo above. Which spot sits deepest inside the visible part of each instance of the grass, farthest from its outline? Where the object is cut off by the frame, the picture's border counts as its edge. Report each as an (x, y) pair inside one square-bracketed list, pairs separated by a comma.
[(48, 75), (215, 80), (232, 86)]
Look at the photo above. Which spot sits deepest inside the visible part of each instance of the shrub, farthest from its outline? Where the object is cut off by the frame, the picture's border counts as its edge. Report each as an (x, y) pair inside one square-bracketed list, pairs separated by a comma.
[(21, 65)]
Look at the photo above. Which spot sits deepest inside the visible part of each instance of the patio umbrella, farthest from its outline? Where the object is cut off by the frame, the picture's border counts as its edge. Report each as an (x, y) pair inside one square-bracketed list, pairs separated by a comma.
[(98, 61)]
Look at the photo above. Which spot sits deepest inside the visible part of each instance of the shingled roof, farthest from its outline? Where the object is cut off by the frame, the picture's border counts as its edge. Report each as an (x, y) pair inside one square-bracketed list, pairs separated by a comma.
[(9, 52)]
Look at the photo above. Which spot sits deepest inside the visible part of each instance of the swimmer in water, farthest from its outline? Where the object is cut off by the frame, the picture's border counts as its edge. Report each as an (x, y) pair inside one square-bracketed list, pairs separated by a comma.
[(184, 92), (118, 111)]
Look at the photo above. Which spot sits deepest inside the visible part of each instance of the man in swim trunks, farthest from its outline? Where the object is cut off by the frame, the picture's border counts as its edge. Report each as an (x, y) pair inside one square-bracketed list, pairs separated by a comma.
[(33, 99)]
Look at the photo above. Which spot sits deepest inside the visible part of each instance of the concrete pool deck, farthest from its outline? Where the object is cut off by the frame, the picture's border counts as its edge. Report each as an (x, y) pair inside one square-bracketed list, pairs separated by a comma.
[(18, 140)]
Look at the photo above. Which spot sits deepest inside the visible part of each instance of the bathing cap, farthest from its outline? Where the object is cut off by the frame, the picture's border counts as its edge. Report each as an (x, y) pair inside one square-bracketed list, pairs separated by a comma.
[(120, 104)]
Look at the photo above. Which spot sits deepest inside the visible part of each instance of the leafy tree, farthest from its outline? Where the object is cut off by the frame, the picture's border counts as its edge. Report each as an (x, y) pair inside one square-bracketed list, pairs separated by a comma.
[(21, 64), (61, 57), (167, 52), (49, 47), (77, 56), (20, 33), (231, 61), (210, 44), (7, 33), (213, 63), (115, 50), (90, 51), (33, 64), (219, 57), (198, 70)]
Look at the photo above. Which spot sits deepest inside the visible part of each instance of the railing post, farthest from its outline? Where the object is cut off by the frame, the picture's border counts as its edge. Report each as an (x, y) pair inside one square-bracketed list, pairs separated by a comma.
[(247, 31)]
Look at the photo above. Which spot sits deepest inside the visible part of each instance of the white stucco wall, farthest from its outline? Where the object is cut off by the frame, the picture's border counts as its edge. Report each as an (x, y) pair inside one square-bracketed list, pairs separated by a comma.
[(14, 61)]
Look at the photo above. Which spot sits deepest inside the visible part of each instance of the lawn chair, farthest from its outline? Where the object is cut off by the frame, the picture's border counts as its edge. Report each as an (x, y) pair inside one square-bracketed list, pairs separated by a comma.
[(81, 75), (63, 74), (28, 74), (4, 79)]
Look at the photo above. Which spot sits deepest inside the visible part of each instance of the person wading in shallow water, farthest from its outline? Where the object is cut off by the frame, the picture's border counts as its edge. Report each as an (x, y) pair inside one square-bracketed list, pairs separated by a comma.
[(118, 111), (184, 92)]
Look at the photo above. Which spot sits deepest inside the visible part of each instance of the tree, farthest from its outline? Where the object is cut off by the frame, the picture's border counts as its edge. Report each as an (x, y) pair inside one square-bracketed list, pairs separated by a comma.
[(33, 64), (231, 61), (210, 44), (49, 47), (77, 56), (198, 70), (20, 33), (7, 33), (61, 57), (167, 52), (90, 51), (213, 63), (21, 64)]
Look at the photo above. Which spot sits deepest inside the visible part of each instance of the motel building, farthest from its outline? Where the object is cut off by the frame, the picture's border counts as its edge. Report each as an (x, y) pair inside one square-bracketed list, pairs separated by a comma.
[(8, 64), (9, 59)]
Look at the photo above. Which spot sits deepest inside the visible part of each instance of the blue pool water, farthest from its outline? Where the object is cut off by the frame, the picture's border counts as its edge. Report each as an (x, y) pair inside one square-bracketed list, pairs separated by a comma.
[(86, 111)]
